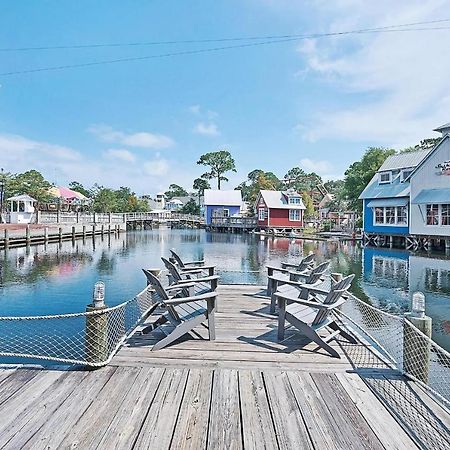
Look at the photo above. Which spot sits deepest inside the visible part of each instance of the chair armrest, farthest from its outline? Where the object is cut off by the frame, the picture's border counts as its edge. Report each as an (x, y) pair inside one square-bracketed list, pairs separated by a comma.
[(180, 285), (285, 265), (194, 298), (187, 271), (301, 301), (278, 269), (198, 280), (194, 263)]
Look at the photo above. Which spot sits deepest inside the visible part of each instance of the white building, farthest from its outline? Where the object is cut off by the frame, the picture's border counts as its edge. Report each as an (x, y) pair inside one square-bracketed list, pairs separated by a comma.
[(21, 209), (430, 191)]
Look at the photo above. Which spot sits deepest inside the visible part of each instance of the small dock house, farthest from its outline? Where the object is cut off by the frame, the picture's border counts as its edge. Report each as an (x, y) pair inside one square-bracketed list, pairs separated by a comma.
[(221, 204), (280, 209), (21, 209)]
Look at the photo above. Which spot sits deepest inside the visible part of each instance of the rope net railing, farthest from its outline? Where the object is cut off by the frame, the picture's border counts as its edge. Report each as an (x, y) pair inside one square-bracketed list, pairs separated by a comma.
[(89, 338), (405, 346)]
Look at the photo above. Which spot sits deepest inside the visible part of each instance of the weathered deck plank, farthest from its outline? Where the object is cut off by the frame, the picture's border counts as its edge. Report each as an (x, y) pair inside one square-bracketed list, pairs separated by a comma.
[(244, 390)]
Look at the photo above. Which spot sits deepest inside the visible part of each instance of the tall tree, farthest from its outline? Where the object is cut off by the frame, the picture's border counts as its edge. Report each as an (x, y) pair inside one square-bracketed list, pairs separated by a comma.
[(78, 187), (219, 163), (358, 175), (32, 183), (200, 184), (175, 191), (190, 208)]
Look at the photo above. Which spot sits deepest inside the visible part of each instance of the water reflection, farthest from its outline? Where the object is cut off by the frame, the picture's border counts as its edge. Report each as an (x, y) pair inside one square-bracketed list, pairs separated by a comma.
[(58, 278)]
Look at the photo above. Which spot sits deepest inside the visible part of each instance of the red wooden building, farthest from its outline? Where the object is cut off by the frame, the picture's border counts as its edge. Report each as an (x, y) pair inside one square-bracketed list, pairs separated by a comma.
[(280, 209)]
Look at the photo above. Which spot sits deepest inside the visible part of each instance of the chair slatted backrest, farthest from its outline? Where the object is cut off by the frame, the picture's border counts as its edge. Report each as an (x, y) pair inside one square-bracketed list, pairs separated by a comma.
[(332, 297), (305, 262), (177, 259), (172, 270), (317, 273), (156, 284)]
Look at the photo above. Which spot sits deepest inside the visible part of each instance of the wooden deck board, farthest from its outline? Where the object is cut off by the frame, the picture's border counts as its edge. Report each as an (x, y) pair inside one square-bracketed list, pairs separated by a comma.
[(244, 390)]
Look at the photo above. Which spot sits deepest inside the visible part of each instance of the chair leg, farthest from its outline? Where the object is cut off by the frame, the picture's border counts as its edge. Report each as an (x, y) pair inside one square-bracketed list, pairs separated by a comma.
[(281, 317), (334, 326), (211, 305), (273, 301), (153, 326), (180, 330), (311, 334)]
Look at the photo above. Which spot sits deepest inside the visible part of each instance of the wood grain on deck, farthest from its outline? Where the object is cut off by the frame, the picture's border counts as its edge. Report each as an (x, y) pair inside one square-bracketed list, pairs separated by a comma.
[(243, 391)]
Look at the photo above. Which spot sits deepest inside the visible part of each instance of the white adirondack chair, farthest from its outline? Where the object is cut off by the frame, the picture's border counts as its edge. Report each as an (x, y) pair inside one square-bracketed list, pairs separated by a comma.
[(288, 283), (191, 265), (182, 311), (314, 312)]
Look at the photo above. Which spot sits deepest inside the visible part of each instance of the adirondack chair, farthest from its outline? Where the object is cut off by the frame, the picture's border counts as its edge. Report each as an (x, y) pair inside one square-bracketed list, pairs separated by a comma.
[(288, 283), (314, 313), (202, 284), (181, 310), (304, 266), (191, 265)]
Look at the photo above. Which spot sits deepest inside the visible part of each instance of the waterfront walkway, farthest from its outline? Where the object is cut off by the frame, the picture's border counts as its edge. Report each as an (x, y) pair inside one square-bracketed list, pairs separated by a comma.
[(244, 390)]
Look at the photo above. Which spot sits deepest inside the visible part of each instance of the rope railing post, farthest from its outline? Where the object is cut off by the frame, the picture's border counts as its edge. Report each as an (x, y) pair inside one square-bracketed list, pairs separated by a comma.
[(96, 345), (416, 354)]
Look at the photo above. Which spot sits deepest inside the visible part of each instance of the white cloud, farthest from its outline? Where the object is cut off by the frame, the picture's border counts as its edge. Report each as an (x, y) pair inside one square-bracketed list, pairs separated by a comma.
[(319, 167), (194, 109), (122, 154), (156, 167), (207, 129), (397, 82), (141, 139)]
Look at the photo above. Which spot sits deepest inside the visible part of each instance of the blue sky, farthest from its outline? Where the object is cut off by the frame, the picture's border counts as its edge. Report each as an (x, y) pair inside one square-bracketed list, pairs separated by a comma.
[(315, 103)]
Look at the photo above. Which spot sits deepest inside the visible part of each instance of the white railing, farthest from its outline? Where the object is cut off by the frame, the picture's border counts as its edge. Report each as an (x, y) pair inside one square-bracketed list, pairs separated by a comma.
[(87, 338), (73, 217)]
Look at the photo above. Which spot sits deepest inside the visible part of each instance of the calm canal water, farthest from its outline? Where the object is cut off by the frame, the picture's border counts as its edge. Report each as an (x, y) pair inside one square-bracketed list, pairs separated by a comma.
[(58, 278)]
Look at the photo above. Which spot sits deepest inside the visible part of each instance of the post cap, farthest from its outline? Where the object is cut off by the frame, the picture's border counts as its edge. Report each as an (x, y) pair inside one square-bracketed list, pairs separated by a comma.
[(99, 295), (418, 304)]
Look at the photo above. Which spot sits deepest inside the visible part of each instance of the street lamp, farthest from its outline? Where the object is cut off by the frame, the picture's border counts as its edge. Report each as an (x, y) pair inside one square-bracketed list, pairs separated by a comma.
[(2, 193)]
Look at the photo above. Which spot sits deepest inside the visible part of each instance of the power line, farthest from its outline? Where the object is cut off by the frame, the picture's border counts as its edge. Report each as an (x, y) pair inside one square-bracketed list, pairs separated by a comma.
[(212, 49), (203, 41)]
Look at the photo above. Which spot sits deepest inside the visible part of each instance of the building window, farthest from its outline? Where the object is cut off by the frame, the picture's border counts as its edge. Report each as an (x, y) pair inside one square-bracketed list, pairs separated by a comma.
[(406, 174), (445, 214), (262, 214), (390, 215), (433, 214), (294, 200), (384, 178), (402, 215), (379, 215), (295, 215)]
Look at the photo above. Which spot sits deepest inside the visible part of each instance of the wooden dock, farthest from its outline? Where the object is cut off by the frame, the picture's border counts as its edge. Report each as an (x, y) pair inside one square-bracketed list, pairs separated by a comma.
[(243, 391)]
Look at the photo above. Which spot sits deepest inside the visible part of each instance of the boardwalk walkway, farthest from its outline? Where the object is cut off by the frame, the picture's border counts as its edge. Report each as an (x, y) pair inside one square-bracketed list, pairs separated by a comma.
[(244, 390)]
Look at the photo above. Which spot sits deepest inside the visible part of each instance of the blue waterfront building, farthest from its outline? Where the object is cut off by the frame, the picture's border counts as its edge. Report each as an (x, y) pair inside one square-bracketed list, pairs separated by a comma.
[(219, 205), (386, 198)]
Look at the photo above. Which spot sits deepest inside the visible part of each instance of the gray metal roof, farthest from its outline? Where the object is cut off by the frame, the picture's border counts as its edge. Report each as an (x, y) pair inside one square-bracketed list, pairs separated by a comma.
[(404, 160), (443, 127), (223, 198), (394, 189)]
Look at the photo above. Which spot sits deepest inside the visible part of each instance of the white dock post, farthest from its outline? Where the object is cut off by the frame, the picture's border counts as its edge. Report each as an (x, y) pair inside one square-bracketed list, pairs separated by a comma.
[(27, 234), (45, 235), (6, 237), (96, 345), (416, 348)]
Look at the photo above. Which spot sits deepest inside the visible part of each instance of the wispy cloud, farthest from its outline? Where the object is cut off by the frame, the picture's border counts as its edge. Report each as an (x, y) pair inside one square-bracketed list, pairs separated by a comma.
[(157, 167), (320, 167), (207, 129), (121, 154), (398, 82), (141, 139)]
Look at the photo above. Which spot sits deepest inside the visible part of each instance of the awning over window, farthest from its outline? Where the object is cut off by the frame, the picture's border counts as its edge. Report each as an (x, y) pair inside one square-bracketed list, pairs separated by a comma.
[(380, 202), (432, 196)]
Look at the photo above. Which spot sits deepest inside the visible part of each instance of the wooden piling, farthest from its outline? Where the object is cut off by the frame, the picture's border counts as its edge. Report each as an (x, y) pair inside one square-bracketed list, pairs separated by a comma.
[(60, 234), (6, 237), (45, 234), (73, 232), (27, 234), (416, 348)]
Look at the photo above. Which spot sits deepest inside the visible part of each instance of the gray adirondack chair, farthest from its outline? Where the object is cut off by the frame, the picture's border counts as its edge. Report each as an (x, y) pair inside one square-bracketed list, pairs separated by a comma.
[(314, 312), (288, 283), (182, 311), (202, 284), (304, 266), (190, 265)]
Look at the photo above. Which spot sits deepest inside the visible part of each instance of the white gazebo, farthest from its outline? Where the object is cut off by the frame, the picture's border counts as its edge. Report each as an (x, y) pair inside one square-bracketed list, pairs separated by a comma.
[(21, 208)]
